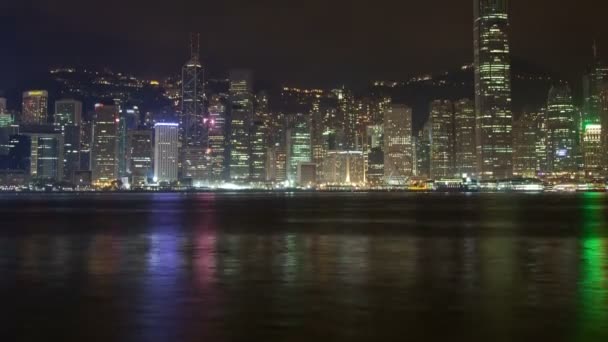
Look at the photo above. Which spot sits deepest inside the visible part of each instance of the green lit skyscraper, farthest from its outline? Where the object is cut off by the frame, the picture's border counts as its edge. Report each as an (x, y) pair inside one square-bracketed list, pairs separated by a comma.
[(493, 89)]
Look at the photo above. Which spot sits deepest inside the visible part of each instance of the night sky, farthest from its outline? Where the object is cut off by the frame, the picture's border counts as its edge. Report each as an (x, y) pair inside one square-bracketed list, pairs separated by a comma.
[(312, 42)]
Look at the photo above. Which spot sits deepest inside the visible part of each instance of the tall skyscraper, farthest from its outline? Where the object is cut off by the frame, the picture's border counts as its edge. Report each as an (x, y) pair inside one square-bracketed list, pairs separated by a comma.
[(493, 89), (193, 122), (562, 132), (193, 99), (166, 152), (34, 107), (140, 156), (298, 145), (46, 148), (217, 138), (398, 147), (68, 112), (105, 145), (464, 138), (442, 139), (68, 116), (241, 120), (526, 135), (592, 150), (375, 155), (423, 150)]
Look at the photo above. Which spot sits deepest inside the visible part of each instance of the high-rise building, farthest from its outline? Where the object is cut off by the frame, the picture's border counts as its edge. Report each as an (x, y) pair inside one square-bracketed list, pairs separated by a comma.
[(525, 140), (68, 116), (258, 151), (193, 121), (423, 151), (398, 147), (298, 145), (464, 138), (344, 168), (241, 119), (592, 150), (68, 112), (375, 155), (105, 145), (35, 107), (217, 138), (192, 125), (562, 132), (46, 148), (442, 139), (166, 152), (140, 156), (493, 89)]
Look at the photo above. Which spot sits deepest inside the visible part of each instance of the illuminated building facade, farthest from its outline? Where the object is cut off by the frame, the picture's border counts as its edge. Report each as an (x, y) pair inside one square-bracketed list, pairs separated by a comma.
[(344, 168), (241, 119), (464, 138), (562, 133), (194, 131), (298, 145), (493, 89), (217, 138), (3, 108), (35, 107), (423, 151), (139, 156), (193, 123), (258, 151), (442, 139), (166, 148), (68, 112), (105, 145), (398, 147), (592, 147), (525, 138), (46, 159), (374, 148)]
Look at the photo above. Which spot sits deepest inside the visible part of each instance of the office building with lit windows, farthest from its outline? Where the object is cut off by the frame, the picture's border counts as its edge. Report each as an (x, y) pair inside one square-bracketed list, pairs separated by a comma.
[(398, 147), (442, 139), (562, 132), (241, 119), (104, 151), (166, 152), (465, 158), (34, 107), (493, 89)]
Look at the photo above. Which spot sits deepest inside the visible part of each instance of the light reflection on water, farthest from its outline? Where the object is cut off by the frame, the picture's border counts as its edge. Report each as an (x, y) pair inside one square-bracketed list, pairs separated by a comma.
[(302, 267)]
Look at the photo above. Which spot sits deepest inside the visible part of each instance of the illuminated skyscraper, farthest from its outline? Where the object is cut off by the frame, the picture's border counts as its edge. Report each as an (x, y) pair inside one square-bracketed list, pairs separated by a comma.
[(493, 89), (592, 146), (35, 107), (193, 126), (398, 149), (68, 116), (46, 152), (374, 148), (241, 119), (298, 146), (423, 151), (3, 108), (442, 139), (525, 139), (193, 99), (105, 145), (68, 112), (139, 156), (562, 133), (464, 138), (166, 148), (217, 138)]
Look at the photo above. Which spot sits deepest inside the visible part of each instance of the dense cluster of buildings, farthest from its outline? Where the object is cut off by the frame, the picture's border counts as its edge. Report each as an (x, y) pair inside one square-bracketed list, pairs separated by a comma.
[(311, 138)]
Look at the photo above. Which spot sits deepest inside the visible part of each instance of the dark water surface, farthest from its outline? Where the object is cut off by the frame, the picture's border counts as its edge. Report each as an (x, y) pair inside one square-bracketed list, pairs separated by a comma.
[(304, 267)]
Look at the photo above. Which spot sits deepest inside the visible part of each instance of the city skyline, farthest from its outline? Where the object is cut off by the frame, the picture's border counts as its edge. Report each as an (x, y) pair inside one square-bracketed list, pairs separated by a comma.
[(139, 44)]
